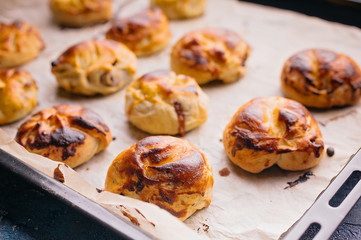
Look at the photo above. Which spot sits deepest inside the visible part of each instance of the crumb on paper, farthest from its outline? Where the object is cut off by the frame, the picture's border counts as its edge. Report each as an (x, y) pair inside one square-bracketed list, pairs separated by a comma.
[(224, 172), (300, 179), (58, 175), (99, 190)]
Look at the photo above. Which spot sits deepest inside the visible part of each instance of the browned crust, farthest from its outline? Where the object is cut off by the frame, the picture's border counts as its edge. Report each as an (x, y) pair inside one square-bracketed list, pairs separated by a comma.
[(272, 125), (322, 74), (170, 165), (64, 128), (82, 7), (147, 24)]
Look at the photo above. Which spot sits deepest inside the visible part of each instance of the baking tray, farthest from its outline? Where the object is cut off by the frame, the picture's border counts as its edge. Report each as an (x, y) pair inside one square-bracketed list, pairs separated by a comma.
[(122, 229)]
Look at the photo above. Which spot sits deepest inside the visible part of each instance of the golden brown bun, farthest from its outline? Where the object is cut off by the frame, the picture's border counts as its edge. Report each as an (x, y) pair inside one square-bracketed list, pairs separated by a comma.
[(162, 102), (18, 94), (20, 42), (95, 67), (179, 9), (78, 13), (166, 171), (144, 33), (273, 130), (321, 78), (210, 54), (66, 133)]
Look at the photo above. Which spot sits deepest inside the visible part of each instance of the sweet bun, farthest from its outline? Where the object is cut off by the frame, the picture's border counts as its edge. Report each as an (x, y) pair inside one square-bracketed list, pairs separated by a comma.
[(162, 102), (18, 94), (166, 171), (273, 130), (20, 42), (179, 9), (95, 67), (66, 133), (78, 13), (321, 78), (210, 54), (144, 33)]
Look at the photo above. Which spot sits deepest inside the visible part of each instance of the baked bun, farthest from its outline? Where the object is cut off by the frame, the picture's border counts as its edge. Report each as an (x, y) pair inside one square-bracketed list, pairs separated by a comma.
[(166, 171), (273, 130), (66, 133), (78, 13), (210, 54), (321, 78), (162, 102), (20, 42), (95, 67), (18, 94), (179, 9), (144, 33)]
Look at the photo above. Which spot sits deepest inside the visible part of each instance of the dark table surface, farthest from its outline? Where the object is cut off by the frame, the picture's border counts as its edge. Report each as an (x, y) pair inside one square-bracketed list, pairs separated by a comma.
[(28, 212)]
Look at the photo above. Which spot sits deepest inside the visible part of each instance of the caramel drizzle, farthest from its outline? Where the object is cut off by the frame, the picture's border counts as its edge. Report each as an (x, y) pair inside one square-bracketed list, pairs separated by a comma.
[(181, 118)]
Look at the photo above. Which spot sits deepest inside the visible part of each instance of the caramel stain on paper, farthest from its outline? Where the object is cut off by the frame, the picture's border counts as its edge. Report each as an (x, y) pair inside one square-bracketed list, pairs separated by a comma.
[(126, 214), (301, 179), (58, 175), (224, 172), (99, 190), (337, 117), (151, 223)]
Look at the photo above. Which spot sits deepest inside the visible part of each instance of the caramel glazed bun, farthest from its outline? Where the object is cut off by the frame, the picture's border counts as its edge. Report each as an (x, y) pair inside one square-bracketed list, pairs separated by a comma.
[(162, 102), (20, 42), (178, 9), (210, 54), (95, 67), (321, 78), (18, 94), (66, 133), (144, 33), (273, 130), (78, 13), (166, 171)]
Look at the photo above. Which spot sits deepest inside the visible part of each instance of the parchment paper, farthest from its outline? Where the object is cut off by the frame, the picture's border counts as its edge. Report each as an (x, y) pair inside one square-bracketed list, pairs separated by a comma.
[(244, 205)]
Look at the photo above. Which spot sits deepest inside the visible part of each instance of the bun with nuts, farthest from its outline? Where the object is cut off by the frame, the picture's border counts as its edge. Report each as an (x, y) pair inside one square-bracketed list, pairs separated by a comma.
[(95, 67), (210, 54), (18, 94), (20, 42), (273, 130), (179, 9), (66, 133), (144, 33), (166, 171), (162, 102), (78, 13), (321, 78)]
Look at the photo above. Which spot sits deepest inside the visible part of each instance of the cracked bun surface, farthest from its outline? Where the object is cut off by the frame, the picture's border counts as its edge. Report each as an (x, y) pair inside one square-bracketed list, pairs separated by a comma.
[(18, 94), (273, 130), (78, 13), (144, 33), (166, 171), (180, 9), (321, 78), (20, 42), (210, 54), (70, 134), (162, 102), (95, 67)]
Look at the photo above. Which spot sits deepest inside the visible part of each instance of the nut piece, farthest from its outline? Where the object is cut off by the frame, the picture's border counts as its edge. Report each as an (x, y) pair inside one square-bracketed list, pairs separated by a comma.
[(162, 102), (95, 67), (18, 94), (78, 13), (144, 33), (166, 171), (273, 130), (179, 9), (321, 78), (65, 133), (210, 54), (20, 42)]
